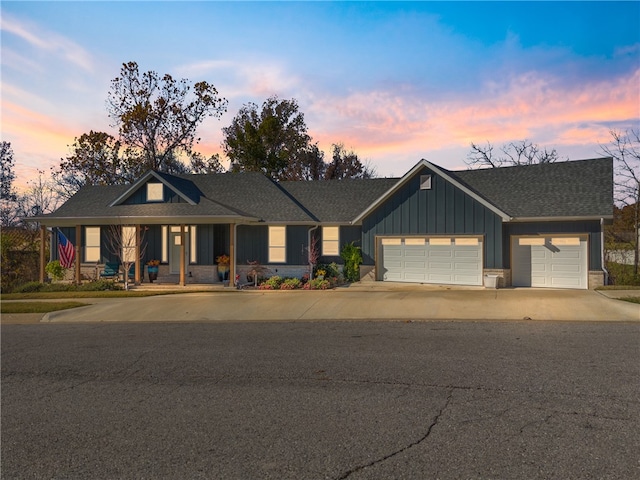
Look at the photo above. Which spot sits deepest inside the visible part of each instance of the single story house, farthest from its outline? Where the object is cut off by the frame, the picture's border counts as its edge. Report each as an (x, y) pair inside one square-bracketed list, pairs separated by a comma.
[(532, 226)]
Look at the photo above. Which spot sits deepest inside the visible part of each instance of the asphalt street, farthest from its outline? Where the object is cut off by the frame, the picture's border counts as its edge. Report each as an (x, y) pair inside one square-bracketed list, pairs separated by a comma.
[(321, 400)]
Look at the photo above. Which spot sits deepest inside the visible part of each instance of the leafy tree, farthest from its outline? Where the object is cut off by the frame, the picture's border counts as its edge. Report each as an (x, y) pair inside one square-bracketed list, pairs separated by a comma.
[(7, 192), (157, 117), (94, 160), (513, 153), (625, 150), (267, 141), (346, 164), (308, 164), (200, 164)]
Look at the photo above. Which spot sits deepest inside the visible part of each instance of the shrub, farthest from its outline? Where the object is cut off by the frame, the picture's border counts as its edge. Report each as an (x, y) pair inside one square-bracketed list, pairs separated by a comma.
[(272, 283), (290, 284), (620, 274), (99, 285), (317, 284), (352, 257), (55, 270), (29, 287)]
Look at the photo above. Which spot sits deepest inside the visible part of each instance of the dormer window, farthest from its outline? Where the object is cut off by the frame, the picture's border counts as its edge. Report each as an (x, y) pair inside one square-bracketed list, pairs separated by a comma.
[(155, 192)]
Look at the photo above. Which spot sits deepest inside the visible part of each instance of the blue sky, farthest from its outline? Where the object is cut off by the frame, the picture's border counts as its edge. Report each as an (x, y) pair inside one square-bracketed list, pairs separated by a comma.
[(395, 81)]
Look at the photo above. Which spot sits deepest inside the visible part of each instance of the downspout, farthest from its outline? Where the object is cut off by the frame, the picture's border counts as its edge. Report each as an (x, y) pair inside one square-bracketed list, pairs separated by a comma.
[(604, 268), (235, 256)]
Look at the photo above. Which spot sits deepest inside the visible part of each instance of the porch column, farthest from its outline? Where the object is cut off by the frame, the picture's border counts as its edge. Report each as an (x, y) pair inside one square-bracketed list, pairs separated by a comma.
[(78, 251), (183, 251), (232, 254), (136, 275), (43, 238)]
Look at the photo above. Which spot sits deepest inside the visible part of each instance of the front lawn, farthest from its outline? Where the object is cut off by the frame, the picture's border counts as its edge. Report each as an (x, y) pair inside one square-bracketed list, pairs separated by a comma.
[(37, 307), (630, 299)]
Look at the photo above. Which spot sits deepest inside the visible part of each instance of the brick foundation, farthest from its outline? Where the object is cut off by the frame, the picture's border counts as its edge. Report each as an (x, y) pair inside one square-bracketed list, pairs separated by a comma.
[(596, 279)]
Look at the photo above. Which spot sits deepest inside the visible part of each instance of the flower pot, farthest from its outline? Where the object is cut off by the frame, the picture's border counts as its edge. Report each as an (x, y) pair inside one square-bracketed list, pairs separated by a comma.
[(152, 272), (223, 273)]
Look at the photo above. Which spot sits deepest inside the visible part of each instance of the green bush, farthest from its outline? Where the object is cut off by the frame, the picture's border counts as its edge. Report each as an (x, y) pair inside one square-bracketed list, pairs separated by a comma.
[(352, 257), (317, 284), (290, 284), (272, 283), (55, 270), (29, 287), (620, 274), (99, 285)]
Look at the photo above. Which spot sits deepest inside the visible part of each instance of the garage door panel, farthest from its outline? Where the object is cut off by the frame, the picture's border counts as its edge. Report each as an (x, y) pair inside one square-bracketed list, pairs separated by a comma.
[(559, 264), (417, 259)]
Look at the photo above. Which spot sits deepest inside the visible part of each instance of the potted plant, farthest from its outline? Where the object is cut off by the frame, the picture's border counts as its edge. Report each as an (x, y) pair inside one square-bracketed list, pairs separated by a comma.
[(152, 269), (223, 267)]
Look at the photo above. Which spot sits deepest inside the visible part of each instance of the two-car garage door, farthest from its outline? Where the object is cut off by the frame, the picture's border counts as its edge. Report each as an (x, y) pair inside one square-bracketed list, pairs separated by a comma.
[(442, 260), (549, 261)]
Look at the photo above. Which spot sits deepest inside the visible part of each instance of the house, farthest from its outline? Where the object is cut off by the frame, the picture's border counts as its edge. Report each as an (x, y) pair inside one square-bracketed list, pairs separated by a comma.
[(532, 226)]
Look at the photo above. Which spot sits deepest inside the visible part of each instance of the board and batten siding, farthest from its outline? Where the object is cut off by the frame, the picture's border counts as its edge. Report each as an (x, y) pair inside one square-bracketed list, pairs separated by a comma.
[(348, 234), (592, 228), (442, 210), (253, 244)]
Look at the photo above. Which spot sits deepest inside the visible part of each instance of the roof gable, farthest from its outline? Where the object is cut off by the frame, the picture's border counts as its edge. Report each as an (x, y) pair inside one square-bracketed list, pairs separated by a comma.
[(181, 187), (440, 172)]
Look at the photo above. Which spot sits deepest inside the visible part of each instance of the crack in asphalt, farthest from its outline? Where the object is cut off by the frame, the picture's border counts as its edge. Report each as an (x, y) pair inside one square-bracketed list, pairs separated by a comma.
[(435, 421)]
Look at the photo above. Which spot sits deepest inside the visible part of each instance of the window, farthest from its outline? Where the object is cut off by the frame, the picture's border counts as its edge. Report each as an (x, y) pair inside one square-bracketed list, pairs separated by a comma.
[(391, 241), (566, 241), (277, 244), (530, 242), (414, 242), (469, 242), (128, 244), (92, 244), (425, 182), (330, 241), (165, 244), (192, 244), (154, 192), (440, 241)]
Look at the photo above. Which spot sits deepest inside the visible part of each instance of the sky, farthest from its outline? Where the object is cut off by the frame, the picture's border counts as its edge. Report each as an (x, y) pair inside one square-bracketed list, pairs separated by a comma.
[(394, 81)]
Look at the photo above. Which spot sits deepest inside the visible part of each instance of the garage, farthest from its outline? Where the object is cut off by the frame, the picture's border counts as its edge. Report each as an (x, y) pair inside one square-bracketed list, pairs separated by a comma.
[(440, 260), (550, 261)]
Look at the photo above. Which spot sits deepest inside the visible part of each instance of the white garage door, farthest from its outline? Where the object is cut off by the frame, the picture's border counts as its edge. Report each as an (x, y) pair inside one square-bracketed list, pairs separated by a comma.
[(548, 261), (452, 261)]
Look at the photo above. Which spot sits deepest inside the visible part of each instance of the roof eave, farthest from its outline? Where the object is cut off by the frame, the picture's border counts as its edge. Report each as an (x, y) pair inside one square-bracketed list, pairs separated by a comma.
[(131, 220), (572, 218)]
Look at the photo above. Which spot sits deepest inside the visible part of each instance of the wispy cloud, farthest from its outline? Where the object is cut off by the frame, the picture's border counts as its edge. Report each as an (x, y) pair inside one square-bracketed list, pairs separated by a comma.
[(46, 41)]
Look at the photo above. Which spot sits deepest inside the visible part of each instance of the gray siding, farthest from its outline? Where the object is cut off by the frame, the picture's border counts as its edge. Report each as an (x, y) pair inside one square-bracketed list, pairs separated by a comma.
[(253, 244), (140, 196), (211, 242), (530, 228), (443, 210)]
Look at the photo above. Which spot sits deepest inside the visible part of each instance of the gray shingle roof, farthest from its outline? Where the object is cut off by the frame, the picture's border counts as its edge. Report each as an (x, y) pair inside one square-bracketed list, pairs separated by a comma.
[(338, 201), (568, 189), (582, 188)]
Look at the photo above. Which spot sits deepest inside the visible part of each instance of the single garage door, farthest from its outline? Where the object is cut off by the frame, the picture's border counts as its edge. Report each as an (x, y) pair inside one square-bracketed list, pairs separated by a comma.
[(450, 260), (548, 261)]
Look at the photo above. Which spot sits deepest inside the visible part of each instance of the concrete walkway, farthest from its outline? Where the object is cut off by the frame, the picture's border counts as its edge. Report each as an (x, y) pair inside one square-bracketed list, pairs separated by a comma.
[(359, 302)]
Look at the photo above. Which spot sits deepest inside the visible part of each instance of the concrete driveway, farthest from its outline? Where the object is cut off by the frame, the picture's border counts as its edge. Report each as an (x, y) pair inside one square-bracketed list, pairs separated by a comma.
[(388, 302)]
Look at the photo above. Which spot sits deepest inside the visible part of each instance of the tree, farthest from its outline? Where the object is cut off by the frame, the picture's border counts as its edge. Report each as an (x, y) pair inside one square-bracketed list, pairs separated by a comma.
[(7, 191), (157, 117), (267, 141), (41, 197), (346, 164), (200, 164), (308, 164), (94, 160), (513, 153), (122, 244), (625, 150)]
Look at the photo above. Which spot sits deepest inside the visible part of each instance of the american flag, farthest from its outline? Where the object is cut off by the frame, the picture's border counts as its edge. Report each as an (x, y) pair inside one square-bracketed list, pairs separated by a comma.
[(66, 252)]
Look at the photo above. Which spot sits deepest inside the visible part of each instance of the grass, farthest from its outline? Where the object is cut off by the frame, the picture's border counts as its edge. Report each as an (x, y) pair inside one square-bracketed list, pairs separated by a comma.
[(619, 287), (94, 294), (631, 299), (37, 307)]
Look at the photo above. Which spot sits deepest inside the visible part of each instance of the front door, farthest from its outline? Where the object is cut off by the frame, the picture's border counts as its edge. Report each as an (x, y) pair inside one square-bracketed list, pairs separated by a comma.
[(175, 247)]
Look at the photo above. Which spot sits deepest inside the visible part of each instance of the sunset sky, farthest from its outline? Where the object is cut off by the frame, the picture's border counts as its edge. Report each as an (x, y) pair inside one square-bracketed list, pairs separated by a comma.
[(395, 81)]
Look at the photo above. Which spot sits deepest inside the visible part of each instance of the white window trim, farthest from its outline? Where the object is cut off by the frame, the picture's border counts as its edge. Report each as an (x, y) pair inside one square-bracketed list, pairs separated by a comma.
[(277, 244), (165, 244), (330, 245), (192, 244), (91, 250)]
